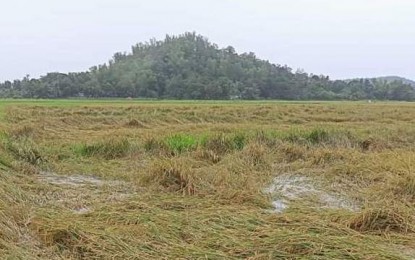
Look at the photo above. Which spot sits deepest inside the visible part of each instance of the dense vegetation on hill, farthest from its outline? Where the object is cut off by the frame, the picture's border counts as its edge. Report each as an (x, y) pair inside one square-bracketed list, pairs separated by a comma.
[(397, 78), (190, 67)]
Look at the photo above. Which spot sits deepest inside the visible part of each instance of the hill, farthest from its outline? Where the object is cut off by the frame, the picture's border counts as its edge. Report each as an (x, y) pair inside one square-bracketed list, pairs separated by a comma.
[(397, 78), (189, 66)]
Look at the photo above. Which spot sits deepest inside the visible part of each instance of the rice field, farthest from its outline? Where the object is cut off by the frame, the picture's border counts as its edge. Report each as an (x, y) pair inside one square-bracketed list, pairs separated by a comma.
[(127, 179)]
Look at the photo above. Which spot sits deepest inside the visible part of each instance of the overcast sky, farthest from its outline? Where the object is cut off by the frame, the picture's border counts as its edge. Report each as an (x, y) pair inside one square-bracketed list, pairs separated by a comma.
[(342, 39)]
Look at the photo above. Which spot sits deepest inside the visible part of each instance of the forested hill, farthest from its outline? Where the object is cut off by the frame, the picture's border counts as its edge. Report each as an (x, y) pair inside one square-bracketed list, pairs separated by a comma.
[(190, 67), (397, 78)]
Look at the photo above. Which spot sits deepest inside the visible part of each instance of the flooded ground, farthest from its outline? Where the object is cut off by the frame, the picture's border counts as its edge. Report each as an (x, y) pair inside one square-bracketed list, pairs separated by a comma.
[(287, 189), (75, 180), (81, 193)]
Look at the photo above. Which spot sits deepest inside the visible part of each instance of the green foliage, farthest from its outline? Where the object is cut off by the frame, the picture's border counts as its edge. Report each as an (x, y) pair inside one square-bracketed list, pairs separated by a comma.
[(179, 143), (238, 141), (318, 136), (189, 66)]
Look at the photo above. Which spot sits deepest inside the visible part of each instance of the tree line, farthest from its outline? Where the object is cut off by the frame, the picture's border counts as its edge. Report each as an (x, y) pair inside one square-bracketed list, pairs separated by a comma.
[(189, 66)]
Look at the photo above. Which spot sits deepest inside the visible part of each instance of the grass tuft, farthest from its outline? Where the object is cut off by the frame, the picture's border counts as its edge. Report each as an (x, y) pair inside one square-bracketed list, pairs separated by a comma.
[(26, 150), (180, 143), (222, 144), (405, 186), (255, 153), (208, 155), (108, 149), (174, 175), (318, 136), (382, 220)]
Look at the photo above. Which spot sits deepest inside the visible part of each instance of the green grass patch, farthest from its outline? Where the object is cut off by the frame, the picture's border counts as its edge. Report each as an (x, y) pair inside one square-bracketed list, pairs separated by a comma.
[(108, 149), (180, 143)]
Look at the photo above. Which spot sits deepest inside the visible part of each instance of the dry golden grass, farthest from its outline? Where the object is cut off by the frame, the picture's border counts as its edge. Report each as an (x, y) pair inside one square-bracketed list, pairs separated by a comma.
[(188, 180)]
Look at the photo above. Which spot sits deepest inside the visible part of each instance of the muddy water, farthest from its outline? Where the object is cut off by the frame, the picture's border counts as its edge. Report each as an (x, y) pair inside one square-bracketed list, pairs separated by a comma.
[(81, 194), (75, 180), (286, 189)]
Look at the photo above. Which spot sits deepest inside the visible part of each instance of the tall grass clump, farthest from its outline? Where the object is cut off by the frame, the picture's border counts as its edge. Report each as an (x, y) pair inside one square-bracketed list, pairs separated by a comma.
[(405, 186), (5, 162), (24, 149), (383, 220), (317, 136), (154, 146), (108, 149), (173, 175), (219, 144), (222, 143), (325, 137), (180, 143), (255, 155), (238, 141), (208, 155), (267, 138)]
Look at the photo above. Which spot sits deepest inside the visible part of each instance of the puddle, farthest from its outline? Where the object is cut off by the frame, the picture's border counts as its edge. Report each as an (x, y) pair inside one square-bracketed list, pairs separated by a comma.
[(75, 180), (289, 188), (280, 205), (81, 211), (81, 194)]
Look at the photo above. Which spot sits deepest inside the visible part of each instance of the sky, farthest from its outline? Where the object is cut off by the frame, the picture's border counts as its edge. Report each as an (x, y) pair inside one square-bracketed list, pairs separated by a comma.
[(341, 39)]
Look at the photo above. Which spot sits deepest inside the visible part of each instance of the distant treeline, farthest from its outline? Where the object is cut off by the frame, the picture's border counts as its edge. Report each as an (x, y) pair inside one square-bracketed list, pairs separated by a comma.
[(190, 67)]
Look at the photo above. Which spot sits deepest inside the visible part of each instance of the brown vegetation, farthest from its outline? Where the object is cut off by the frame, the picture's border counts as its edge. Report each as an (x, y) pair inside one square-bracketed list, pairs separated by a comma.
[(187, 180)]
